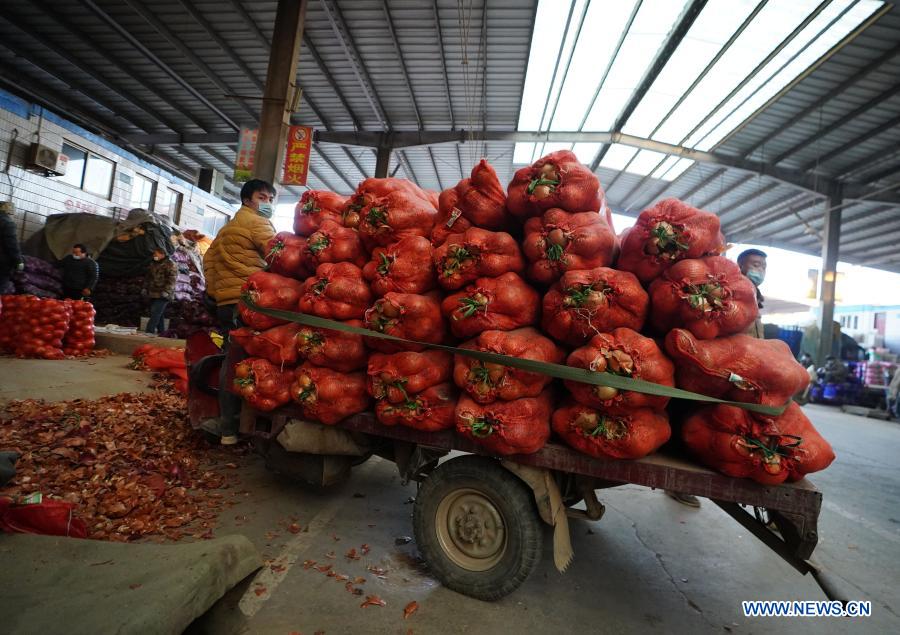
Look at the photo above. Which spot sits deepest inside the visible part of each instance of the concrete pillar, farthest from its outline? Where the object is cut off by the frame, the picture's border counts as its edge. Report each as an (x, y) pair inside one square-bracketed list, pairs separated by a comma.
[(830, 246), (382, 162), (280, 86)]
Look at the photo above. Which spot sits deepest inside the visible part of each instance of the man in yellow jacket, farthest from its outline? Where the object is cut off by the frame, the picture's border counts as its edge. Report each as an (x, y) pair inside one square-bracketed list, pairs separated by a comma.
[(238, 251)]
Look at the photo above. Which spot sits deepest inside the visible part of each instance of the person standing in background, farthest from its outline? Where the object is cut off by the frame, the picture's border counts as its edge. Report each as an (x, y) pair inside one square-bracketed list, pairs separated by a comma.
[(753, 265), (160, 283), (79, 273), (237, 252), (10, 254)]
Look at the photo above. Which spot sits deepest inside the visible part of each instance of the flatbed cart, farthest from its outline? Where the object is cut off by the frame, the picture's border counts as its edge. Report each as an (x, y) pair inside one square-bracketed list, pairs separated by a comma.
[(477, 518)]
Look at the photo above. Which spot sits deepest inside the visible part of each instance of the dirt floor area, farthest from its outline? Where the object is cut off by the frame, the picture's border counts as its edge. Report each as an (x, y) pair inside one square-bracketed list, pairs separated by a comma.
[(650, 563)]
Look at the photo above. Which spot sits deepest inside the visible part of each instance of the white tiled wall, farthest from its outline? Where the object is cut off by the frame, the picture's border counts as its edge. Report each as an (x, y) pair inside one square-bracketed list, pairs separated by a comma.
[(36, 196)]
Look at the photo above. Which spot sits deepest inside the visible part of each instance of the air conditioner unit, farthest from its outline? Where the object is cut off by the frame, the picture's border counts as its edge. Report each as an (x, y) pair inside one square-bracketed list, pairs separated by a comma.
[(211, 181), (47, 160)]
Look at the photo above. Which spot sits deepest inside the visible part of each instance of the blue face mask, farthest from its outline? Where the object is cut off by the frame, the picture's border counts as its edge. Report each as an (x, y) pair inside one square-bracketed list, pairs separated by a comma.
[(265, 210), (756, 276)]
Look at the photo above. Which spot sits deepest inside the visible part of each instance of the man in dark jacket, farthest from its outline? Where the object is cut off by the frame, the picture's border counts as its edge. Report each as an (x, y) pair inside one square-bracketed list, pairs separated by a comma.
[(161, 279), (79, 273), (10, 254)]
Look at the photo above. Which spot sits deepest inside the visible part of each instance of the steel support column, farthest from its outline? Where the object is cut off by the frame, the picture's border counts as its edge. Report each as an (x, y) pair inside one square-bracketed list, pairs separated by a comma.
[(830, 246), (276, 111), (382, 162)]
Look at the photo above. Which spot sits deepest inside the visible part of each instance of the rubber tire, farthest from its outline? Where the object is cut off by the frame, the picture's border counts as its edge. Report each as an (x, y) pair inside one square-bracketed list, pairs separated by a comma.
[(515, 501)]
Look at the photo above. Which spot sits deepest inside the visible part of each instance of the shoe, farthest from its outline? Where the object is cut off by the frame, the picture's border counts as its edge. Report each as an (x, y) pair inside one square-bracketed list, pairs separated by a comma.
[(231, 439), (684, 499)]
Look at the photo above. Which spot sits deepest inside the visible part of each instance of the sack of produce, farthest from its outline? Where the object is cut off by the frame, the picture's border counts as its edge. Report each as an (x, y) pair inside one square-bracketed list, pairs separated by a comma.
[(79, 339), (404, 267), (277, 344), (477, 253), (407, 315), (262, 384), (337, 292), (329, 396), (743, 444), (487, 382), (394, 377), (11, 315), (389, 218), (666, 233), (625, 353), (41, 327), (503, 303), (737, 368), (628, 434), (285, 256), (431, 410), (709, 296), (561, 241), (521, 426), (478, 201), (556, 180), (314, 208), (337, 350), (373, 188), (269, 291), (332, 242), (584, 303)]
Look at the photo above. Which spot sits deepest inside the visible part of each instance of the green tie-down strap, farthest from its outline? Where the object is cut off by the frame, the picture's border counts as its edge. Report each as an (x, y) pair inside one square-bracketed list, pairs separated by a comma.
[(544, 368)]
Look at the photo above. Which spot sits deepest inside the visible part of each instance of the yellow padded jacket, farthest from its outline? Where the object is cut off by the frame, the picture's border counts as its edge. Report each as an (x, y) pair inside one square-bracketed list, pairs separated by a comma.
[(237, 252)]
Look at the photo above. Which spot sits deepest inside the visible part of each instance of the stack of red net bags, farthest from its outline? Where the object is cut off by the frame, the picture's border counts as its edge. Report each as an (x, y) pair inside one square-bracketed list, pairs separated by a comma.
[(45, 328), (533, 271)]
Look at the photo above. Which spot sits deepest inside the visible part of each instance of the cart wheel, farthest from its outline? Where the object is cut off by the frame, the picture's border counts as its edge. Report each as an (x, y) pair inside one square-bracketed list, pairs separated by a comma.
[(477, 527)]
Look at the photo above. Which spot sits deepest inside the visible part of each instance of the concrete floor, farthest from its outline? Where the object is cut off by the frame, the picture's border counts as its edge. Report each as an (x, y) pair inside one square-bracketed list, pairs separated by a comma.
[(86, 378), (650, 563)]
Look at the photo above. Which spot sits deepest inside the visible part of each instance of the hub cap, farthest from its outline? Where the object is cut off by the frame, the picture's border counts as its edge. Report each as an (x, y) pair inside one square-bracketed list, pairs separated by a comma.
[(471, 530)]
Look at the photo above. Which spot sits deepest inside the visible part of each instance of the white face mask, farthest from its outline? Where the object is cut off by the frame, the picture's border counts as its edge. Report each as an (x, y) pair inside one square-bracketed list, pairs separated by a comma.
[(79, 257)]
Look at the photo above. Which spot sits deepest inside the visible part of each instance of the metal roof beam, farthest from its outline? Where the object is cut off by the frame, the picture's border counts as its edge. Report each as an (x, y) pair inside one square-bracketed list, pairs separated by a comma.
[(440, 43), (74, 84), (725, 192), (200, 19), (342, 33), (776, 212), (687, 92), (874, 132), (824, 99), (87, 71), (88, 41), (333, 166), (675, 37), (883, 174), (839, 123), (49, 99), (134, 42), (148, 16), (874, 17), (725, 211)]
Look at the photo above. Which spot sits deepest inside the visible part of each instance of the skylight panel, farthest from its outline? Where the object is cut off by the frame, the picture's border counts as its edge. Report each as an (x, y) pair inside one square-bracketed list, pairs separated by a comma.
[(652, 25), (710, 31), (599, 36), (773, 23), (586, 151), (646, 162), (549, 26), (618, 156), (782, 69)]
